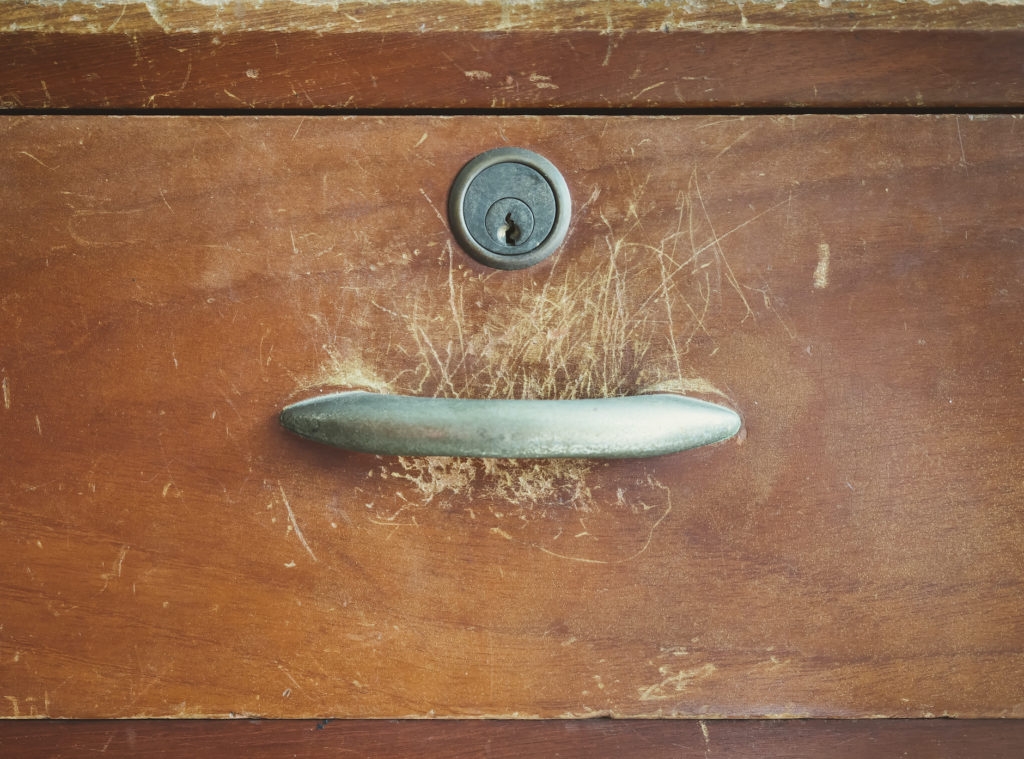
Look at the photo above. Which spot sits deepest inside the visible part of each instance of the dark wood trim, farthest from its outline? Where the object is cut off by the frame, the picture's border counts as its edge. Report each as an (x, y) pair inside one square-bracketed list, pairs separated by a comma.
[(268, 70), (593, 739)]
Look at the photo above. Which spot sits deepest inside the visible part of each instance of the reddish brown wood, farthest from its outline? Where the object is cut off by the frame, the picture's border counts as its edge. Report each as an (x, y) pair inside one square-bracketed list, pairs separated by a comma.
[(488, 54), (853, 286), (527, 69), (591, 739)]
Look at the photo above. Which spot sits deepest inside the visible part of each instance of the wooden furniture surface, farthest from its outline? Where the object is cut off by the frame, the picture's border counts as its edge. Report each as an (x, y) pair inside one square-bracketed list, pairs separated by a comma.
[(502, 54), (586, 739), (851, 285)]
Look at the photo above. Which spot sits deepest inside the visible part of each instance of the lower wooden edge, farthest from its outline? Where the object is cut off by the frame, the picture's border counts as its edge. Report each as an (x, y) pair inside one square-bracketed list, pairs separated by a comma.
[(643, 739)]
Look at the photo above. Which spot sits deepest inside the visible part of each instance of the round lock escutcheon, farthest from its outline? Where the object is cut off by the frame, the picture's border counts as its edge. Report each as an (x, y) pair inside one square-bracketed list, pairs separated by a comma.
[(509, 208)]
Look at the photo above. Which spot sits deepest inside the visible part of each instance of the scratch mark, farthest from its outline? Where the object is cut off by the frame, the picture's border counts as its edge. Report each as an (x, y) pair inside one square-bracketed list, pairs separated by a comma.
[(716, 241), (292, 679), (120, 560), (647, 89), (673, 684), (718, 238), (542, 82), (768, 304), (421, 140), (707, 736), (608, 31), (581, 559), (644, 547), (375, 304), (821, 270), (665, 282), (124, 5), (960, 137), (731, 145), (490, 663), (39, 426), (438, 213), (386, 523), (188, 75), (480, 76), (295, 524), (233, 96), (26, 153), (456, 309), (6, 387), (434, 475), (265, 362), (114, 227)]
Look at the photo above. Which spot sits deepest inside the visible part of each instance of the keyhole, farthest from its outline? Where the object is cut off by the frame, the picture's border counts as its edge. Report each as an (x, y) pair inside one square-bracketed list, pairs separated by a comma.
[(508, 223), (511, 231)]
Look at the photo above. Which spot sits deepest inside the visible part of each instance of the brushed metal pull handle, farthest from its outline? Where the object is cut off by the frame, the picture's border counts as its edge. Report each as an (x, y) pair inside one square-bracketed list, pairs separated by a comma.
[(607, 428)]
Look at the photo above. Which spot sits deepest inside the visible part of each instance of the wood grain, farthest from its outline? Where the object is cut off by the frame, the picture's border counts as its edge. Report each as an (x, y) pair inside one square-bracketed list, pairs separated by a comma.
[(431, 16), (592, 739), (489, 54), (852, 286), (485, 70)]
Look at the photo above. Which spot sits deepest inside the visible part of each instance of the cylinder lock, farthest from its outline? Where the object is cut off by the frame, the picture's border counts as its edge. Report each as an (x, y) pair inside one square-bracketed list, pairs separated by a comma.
[(509, 208)]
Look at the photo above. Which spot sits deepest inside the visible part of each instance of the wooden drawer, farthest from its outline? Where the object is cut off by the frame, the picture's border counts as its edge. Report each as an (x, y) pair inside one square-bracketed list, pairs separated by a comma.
[(851, 285)]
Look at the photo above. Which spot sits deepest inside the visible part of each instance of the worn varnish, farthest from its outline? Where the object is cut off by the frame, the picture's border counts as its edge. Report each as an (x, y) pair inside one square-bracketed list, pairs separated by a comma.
[(429, 16), (302, 70), (852, 286), (592, 739), (489, 54)]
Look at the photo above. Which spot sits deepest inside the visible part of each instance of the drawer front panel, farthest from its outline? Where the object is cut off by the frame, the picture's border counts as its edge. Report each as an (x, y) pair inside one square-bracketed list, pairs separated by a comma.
[(851, 286)]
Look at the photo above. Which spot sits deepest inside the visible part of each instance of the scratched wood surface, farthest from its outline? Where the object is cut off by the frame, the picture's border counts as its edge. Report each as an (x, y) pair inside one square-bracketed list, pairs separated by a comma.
[(851, 285), (607, 16), (489, 54), (589, 739), (302, 70)]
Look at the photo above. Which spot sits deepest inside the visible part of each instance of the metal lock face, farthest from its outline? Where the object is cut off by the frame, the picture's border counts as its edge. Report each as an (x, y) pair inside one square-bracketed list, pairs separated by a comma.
[(509, 208)]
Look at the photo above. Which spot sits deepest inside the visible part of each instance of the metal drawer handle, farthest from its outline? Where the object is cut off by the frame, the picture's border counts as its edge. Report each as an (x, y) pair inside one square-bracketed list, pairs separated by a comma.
[(633, 427)]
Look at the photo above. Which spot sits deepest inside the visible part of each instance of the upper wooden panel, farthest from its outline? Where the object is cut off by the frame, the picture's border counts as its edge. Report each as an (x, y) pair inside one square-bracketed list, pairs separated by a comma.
[(488, 54), (854, 287)]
